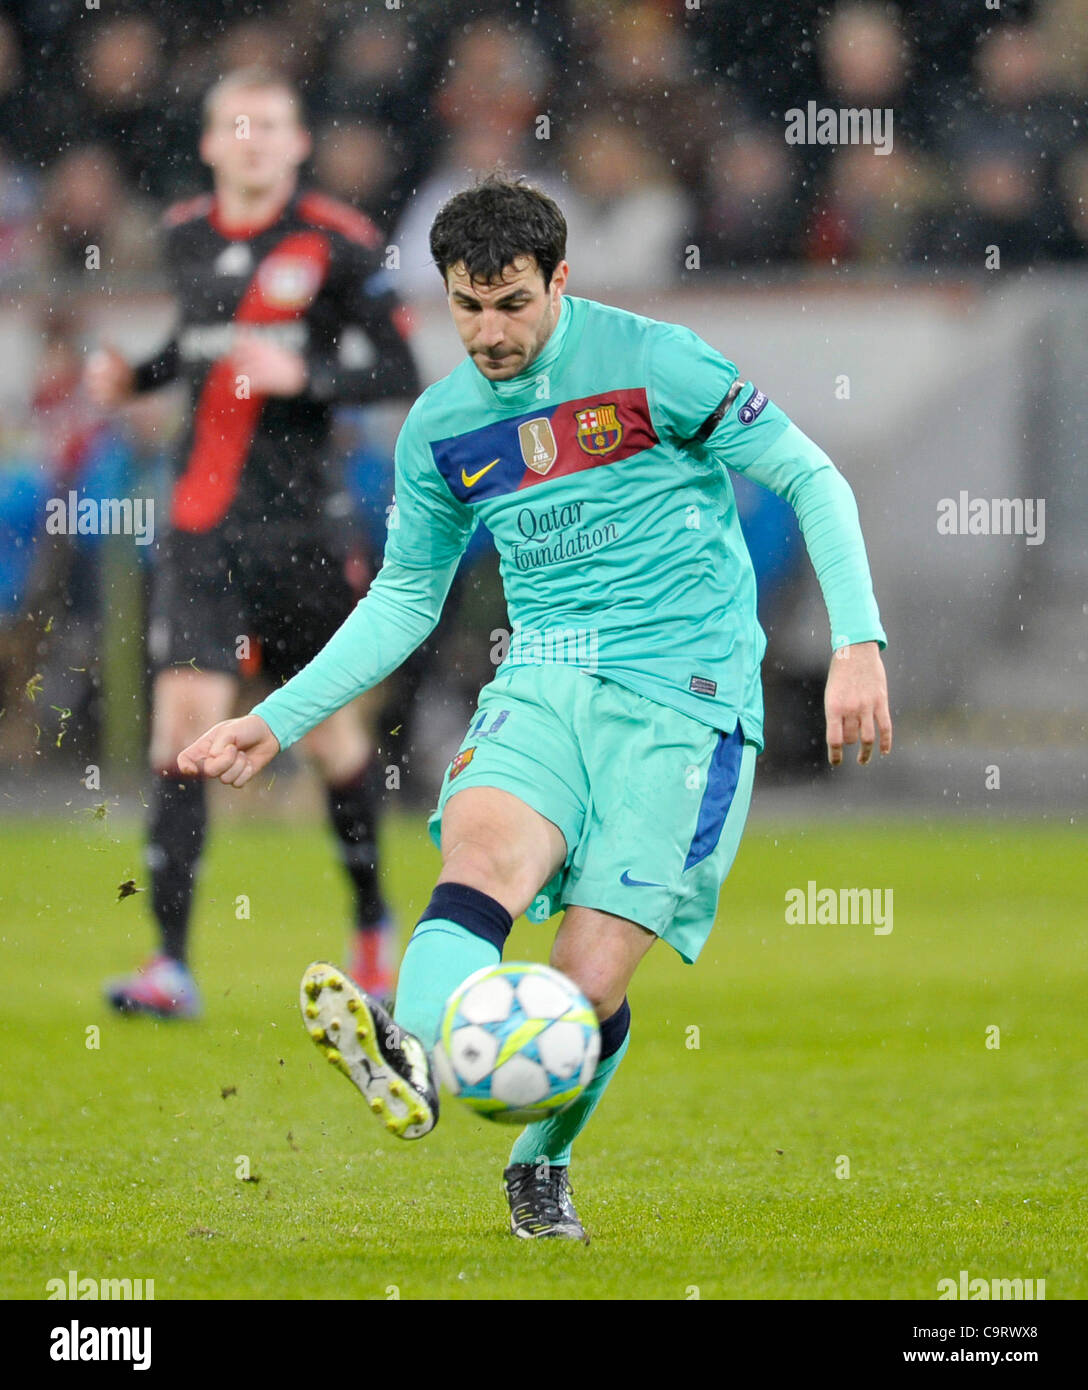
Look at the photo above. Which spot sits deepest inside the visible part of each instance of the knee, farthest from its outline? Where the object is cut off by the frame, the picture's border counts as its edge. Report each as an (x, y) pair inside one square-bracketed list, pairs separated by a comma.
[(488, 865)]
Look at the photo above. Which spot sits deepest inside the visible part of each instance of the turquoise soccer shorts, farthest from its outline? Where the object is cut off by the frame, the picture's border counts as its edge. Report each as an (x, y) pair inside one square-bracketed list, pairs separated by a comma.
[(651, 803)]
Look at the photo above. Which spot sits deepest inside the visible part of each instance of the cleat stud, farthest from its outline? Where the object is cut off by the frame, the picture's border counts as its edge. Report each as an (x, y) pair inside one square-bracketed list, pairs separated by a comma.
[(334, 982), (319, 1035), (312, 1011), (377, 1105), (333, 1056), (353, 1006)]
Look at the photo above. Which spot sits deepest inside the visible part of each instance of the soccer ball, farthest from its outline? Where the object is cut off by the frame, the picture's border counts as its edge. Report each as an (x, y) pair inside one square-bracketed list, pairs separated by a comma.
[(518, 1042)]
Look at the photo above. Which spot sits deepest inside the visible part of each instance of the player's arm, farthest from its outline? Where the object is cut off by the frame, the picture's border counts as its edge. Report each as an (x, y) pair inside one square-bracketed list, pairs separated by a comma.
[(110, 378), (699, 398), (856, 695), (370, 359), (428, 533)]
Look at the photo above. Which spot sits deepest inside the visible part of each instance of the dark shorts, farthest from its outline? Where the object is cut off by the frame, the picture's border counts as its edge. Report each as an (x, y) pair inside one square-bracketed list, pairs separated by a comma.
[(238, 604)]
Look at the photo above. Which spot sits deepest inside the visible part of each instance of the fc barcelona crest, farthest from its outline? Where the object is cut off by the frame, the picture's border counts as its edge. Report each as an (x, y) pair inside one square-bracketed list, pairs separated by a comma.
[(599, 431), (538, 446), (461, 761)]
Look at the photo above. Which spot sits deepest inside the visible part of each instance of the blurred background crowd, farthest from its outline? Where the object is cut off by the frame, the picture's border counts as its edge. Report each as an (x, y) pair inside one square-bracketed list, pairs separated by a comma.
[(659, 125), (662, 113)]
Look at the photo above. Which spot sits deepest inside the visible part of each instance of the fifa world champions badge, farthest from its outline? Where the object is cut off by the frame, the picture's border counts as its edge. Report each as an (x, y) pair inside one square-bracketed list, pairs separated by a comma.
[(538, 446), (599, 430)]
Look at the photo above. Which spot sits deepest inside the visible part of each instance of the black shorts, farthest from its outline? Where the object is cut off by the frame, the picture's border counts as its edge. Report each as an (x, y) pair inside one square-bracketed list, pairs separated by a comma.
[(237, 604)]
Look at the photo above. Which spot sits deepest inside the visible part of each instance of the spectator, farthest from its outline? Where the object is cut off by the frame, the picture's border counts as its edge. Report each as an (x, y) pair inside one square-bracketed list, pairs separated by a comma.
[(126, 108), (626, 217), (751, 214), (353, 161), (873, 205), (85, 205), (1000, 201), (488, 107)]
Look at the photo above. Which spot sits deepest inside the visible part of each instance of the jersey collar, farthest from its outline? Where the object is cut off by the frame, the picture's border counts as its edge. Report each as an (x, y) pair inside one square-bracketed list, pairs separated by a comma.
[(249, 231)]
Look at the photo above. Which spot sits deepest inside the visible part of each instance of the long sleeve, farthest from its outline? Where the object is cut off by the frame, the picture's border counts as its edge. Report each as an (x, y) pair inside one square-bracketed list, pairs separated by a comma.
[(798, 470), (370, 359), (157, 371), (701, 400)]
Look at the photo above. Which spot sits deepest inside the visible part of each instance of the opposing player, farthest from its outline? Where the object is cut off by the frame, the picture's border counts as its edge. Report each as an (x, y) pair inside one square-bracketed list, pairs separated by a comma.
[(281, 316), (608, 768)]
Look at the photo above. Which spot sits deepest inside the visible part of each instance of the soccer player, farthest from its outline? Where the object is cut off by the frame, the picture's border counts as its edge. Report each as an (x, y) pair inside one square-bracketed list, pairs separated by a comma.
[(281, 316), (609, 765)]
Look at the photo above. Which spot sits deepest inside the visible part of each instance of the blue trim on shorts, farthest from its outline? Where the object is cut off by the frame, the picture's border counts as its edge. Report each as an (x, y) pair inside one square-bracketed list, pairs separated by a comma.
[(721, 785)]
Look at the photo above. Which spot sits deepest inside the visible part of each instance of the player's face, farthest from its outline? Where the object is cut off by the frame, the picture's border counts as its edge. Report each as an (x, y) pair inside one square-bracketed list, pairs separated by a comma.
[(254, 141), (504, 325)]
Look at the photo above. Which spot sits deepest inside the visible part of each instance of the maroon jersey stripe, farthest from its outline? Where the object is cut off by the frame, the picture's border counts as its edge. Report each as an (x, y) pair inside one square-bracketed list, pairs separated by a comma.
[(579, 447)]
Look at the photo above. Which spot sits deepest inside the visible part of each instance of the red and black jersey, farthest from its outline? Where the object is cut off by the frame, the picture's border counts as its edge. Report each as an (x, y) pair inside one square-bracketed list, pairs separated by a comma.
[(312, 280)]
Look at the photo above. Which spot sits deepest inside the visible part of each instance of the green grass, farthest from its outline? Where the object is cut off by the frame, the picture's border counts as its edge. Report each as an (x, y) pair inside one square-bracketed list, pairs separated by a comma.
[(712, 1167)]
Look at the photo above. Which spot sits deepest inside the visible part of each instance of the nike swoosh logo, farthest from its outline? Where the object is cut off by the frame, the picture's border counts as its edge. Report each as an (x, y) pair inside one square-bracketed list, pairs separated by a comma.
[(630, 882), (470, 478)]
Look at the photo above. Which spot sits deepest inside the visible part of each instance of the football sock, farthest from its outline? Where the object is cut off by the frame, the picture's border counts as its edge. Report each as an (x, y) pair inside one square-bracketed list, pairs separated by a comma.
[(461, 931), (179, 817), (550, 1140), (354, 810)]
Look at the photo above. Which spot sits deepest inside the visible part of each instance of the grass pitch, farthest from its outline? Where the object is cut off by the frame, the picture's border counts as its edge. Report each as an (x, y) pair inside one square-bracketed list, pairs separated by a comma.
[(789, 1057)]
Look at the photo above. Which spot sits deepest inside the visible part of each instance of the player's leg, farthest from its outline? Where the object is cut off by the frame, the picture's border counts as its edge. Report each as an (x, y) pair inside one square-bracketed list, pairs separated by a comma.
[(600, 953), (344, 756), (510, 804), (196, 619), (184, 703), (497, 851)]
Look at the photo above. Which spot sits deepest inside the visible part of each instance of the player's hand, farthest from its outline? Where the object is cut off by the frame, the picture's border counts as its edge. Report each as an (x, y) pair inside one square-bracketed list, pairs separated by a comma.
[(234, 751), (856, 702), (107, 378), (269, 368)]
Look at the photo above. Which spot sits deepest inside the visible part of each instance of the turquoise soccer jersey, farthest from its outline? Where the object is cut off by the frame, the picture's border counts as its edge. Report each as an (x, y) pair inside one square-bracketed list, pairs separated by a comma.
[(601, 472)]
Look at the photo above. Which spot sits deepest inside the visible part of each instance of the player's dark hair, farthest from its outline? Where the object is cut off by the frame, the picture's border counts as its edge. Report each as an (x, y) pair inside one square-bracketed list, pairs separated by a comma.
[(252, 79), (490, 225)]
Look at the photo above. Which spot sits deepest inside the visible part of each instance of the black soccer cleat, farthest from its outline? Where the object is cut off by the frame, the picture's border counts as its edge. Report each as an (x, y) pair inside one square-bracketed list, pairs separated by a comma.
[(539, 1195), (389, 1065)]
